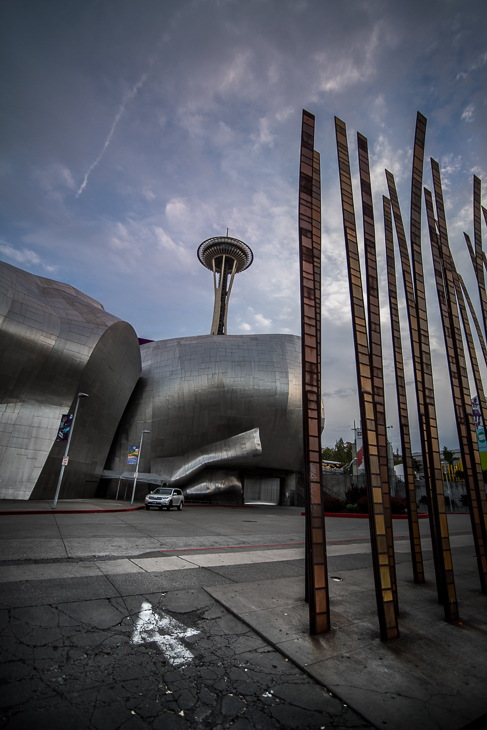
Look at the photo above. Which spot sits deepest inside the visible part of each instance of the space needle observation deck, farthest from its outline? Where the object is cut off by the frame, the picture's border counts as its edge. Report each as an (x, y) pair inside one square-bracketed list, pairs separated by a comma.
[(226, 257)]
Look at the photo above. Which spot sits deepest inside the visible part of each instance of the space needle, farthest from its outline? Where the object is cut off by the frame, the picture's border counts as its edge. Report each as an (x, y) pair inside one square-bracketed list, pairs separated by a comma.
[(225, 256)]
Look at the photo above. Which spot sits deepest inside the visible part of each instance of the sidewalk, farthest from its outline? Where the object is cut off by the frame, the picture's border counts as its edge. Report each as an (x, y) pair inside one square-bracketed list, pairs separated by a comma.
[(432, 677), (73, 589), (65, 506)]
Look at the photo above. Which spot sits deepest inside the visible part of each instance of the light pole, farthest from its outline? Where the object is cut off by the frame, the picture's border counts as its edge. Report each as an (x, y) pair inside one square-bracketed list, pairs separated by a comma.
[(137, 467), (65, 459)]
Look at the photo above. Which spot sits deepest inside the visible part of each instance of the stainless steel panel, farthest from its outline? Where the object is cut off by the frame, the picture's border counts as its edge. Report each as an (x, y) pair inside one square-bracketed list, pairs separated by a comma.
[(54, 342), (197, 391)]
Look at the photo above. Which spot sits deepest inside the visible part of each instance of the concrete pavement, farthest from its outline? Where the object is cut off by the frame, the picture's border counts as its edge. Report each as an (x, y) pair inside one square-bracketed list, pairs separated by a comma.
[(97, 609)]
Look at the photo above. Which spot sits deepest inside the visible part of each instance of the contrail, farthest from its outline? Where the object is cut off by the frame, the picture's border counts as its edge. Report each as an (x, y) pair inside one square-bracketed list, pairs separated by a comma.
[(128, 96)]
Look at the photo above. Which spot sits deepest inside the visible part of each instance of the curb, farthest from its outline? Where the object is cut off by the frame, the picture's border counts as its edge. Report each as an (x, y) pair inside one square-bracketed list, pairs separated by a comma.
[(365, 516), (104, 511), (67, 511)]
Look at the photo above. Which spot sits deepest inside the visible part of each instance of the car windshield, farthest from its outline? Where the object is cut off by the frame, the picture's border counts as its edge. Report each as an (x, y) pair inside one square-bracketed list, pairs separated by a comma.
[(162, 491)]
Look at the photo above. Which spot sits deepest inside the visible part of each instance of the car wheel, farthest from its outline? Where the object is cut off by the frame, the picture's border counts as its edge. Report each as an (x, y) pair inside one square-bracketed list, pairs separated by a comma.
[(147, 506), (180, 505), (169, 505)]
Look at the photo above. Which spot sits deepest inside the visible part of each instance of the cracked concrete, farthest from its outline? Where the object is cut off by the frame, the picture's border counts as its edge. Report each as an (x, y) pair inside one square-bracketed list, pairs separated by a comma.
[(74, 664), (67, 627)]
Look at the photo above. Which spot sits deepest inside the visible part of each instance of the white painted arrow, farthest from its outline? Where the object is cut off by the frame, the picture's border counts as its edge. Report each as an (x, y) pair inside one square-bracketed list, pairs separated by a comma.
[(165, 631)]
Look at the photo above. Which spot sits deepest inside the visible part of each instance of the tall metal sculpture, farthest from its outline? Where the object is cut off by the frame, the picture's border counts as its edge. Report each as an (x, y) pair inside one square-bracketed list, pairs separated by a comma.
[(375, 342), (479, 262), (310, 278), (423, 374), (445, 281), (226, 257), (402, 404), (374, 469)]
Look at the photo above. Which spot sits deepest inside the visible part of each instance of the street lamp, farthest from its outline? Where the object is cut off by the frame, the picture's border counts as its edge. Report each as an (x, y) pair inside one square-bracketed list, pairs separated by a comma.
[(137, 467), (65, 458)]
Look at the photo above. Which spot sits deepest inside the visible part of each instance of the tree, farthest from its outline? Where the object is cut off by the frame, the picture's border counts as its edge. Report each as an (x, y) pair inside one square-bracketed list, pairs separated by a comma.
[(341, 453), (448, 455)]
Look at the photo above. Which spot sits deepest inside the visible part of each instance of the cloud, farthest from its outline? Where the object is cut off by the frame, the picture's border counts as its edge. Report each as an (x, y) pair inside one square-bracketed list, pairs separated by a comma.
[(468, 113), (24, 256), (129, 95), (480, 61), (339, 71)]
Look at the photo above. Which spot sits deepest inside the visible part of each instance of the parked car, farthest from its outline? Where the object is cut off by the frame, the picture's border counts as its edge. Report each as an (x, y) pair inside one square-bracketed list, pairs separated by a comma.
[(165, 497)]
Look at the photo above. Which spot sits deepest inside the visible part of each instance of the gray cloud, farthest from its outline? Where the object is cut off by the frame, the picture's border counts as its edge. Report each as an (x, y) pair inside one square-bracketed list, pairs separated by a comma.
[(210, 140)]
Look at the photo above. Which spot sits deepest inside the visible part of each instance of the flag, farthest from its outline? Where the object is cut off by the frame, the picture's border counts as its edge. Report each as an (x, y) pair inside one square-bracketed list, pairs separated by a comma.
[(133, 455), (64, 427)]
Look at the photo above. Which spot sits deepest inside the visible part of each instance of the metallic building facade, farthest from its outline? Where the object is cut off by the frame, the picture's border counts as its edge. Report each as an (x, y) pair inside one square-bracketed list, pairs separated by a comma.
[(56, 341), (215, 401)]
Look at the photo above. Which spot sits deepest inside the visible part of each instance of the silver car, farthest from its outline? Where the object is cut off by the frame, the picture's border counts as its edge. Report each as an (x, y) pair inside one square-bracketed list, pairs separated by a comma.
[(165, 497)]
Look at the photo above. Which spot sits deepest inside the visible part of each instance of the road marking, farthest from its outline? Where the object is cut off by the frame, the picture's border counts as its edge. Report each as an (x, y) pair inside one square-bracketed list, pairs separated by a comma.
[(166, 632)]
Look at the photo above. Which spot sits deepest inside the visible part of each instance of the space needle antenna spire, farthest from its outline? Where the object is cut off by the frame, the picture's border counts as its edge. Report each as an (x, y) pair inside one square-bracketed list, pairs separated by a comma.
[(225, 256)]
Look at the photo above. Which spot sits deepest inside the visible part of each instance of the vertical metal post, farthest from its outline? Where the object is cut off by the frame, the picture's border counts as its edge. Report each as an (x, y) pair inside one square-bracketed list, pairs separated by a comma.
[(386, 607), (423, 375), (479, 264), (375, 343), (58, 488), (310, 279), (444, 272), (137, 467), (402, 404)]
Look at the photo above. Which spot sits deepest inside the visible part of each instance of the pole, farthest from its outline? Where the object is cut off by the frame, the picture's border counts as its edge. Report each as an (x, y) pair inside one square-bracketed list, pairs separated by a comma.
[(137, 467), (58, 488), (118, 488)]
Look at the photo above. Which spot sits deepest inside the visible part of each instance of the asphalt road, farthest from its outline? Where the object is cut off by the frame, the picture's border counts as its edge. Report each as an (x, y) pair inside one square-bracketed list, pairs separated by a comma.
[(105, 621)]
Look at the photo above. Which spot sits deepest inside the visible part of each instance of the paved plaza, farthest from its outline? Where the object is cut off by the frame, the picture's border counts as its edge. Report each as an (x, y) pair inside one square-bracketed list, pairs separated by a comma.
[(196, 619)]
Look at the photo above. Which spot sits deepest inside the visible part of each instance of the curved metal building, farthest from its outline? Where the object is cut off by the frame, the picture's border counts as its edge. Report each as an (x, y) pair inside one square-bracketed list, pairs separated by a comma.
[(211, 402), (55, 342)]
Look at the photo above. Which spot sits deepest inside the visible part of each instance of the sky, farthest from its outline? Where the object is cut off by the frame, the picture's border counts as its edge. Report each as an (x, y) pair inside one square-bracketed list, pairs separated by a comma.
[(132, 130)]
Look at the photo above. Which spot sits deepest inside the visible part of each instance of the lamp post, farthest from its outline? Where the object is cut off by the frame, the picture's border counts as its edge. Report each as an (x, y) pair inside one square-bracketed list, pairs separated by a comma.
[(65, 458), (137, 467)]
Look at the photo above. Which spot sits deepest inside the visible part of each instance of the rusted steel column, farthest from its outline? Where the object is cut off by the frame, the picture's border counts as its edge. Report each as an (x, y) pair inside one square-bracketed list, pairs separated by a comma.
[(459, 374), (378, 535), (423, 373), (310, 273), (402, 404), (477, 235), (463, 290), (375, 343), (414, 334), (470, 343)]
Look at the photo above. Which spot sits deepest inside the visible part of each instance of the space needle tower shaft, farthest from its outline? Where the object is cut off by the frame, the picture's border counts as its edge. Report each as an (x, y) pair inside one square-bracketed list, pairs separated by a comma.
[(226, 257)]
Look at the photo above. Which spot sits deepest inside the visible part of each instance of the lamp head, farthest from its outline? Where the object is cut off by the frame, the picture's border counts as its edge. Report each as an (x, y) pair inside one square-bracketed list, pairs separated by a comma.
[(83, 395)]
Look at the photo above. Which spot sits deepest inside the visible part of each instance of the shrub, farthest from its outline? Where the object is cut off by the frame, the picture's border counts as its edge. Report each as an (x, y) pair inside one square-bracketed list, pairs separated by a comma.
[(351, 507), (363, 505), (355, 493), (398, 505), (333, 504)]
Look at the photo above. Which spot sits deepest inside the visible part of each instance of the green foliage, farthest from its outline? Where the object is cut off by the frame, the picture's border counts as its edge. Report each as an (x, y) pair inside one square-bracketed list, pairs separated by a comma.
[(448, 455), (341, 453)]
